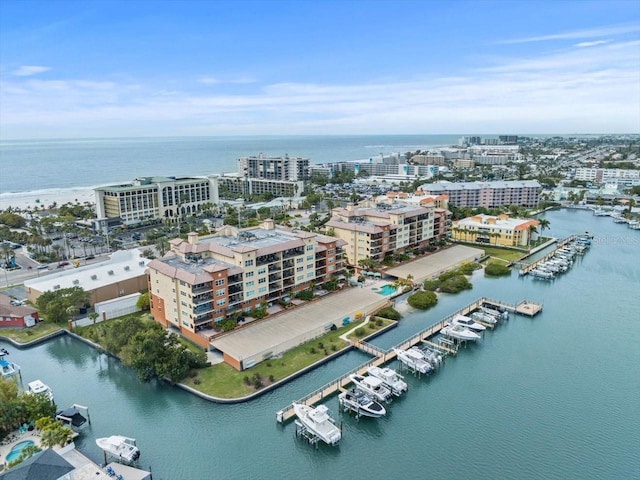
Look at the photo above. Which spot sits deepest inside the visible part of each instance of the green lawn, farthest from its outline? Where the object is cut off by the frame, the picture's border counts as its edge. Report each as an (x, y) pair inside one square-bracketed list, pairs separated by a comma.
[(224, 381), (504, 254), (25, 335)]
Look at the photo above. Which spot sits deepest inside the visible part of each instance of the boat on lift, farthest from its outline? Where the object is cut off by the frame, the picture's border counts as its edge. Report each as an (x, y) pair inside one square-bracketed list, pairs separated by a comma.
[(318, 421), (358, 401), (373, 386), (460, 332), (413, 360), (7, 369), (119, 446), (37, 387), (392, 379), (467, 322)]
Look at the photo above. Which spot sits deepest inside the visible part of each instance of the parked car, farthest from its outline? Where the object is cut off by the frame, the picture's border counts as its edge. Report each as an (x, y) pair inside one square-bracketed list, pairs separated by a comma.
[(89, 257), (43, 267)]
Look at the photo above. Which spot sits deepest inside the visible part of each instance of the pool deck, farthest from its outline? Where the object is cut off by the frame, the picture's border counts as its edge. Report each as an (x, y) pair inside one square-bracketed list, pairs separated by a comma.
[(16, 438)]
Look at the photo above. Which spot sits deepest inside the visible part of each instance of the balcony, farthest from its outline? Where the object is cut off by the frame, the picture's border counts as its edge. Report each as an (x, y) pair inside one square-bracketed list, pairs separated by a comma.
[(288, 272), (274, 268), (202, 319), (237, 298), (202, 299), (235, 279), (288, 264), (201, 288), (235, 288), (267, 259), (202, 309)]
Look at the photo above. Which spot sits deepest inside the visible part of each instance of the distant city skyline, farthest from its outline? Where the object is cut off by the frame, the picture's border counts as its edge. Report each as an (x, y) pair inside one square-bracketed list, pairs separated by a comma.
[(74, 69)]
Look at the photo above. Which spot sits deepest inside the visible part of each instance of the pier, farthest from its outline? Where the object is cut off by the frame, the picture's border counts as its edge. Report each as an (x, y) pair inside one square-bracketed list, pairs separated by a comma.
[(561, 243), (381, 356)]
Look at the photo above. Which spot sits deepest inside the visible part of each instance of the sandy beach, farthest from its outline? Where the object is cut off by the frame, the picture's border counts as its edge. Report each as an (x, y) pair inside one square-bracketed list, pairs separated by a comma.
[(43, 198)]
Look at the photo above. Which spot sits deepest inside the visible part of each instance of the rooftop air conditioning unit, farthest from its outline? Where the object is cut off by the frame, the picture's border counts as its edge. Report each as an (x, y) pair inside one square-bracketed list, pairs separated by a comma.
[(127, 268), (76, 282), (56, 287), (141, 263), (110, 272), (94, 277)]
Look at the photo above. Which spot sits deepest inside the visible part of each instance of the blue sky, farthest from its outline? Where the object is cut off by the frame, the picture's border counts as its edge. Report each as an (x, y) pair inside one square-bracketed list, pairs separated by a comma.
[(152, 68)]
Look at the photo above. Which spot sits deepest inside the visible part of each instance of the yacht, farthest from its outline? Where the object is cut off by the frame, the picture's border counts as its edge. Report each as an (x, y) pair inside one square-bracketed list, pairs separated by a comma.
[(122, 447), (319, 422), (460, 332), (37, 387), (361, 403), (391, 379), (373, 386), (467, 322), (413, 360)]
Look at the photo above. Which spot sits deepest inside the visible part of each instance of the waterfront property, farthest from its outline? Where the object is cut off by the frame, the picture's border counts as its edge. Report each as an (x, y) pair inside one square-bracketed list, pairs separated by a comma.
[(498, 230), (16, 315), (372, 233), (523, 193), (204, 281)]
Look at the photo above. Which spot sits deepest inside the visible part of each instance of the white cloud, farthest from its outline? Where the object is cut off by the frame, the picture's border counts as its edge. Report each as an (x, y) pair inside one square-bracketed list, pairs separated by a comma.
[(28, 70), (591, 44), (597, 32), (213, 80)]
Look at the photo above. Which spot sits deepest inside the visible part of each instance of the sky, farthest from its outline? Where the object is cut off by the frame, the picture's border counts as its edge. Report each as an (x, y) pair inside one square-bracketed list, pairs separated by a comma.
[(76, 69)]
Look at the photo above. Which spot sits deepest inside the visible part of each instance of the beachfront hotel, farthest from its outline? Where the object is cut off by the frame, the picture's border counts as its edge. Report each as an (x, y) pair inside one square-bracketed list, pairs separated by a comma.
[(501, 230), (373, 232), (203, 281), (524, 193)]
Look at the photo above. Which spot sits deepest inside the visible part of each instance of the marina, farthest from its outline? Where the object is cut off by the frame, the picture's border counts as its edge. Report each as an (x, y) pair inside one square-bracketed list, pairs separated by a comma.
[(559, 260), (564, 420), (446, 346)]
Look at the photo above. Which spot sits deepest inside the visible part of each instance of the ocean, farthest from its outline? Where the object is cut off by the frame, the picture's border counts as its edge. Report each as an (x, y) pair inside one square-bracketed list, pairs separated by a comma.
[(553, 397), (44, 166)]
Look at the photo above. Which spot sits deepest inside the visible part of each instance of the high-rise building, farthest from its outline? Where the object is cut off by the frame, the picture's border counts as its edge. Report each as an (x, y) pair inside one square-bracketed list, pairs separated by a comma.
[(274, 168)]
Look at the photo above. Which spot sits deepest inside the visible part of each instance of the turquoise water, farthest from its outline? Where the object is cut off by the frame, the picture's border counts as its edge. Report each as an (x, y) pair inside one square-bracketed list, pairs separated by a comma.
[(550, 397), (17, 449), (386, 290)]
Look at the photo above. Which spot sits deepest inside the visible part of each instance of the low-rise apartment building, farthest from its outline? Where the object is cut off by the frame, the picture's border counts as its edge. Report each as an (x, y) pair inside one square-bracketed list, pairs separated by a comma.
[(501, 230), (372, 233), (203, 281)]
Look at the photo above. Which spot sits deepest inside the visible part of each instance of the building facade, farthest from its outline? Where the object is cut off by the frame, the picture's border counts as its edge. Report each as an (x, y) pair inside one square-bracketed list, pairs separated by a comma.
[(202, 282), (608, 175), (523, 193), (274, 168), (16, 315), (372, 233), (500, 231)]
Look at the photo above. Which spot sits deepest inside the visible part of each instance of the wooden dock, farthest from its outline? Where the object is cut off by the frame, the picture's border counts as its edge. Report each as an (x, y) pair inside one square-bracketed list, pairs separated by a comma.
[(561, 243), (381, 356)]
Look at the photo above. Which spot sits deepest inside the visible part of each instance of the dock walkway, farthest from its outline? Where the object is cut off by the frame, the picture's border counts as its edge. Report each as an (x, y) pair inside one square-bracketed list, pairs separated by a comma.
[(561, 243), (381, 356)]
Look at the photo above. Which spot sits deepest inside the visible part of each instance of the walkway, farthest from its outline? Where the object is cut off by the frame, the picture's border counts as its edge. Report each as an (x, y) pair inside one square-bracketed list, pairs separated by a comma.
[(433, 265)]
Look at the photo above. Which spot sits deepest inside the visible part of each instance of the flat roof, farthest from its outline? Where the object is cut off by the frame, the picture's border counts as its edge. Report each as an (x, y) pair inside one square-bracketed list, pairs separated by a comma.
[(436, 263), (286, 326)]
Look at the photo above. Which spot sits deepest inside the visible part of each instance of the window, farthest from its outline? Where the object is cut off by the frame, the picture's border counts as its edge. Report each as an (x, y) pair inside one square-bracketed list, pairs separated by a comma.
[(250, 284), (310, 265), (183, 293), (222, 301), (262, 289), (310, 274), (299, 269), (299, 260), (248, 263), (331, 251), (184, 304), (248, 275), (300, 277), (309, 248), (262, 270), (309, 257), (262, 280), (220, 282), (220, 292), (250, 293)]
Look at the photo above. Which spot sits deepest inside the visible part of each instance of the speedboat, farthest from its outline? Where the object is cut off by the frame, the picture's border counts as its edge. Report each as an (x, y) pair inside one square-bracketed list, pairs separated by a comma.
[(122, 447), (373, 386), (484, 317), (392, 379), (413, 360), (460, 332), (7, 369), (430, 355), (467, 322), (37, 387), (502, 313), (319, 422), (361, 403)]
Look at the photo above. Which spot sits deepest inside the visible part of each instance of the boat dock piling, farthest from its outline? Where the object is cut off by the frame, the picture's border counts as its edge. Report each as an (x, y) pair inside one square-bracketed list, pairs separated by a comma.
[(381, 356)]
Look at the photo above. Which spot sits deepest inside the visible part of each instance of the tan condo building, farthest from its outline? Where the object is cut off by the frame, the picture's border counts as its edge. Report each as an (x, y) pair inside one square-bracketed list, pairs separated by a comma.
[(501, 230), (203, 281)]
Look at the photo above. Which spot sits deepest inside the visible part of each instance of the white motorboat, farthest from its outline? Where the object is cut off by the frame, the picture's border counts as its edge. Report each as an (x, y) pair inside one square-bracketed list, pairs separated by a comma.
[(373, 386), (319, 422), (430, 355), (37, 387), (413, 360), (502, 313), (484, 317), (467, 322), (7, 369), (460, 332), (390, 378), (122, 447), (358, 401)]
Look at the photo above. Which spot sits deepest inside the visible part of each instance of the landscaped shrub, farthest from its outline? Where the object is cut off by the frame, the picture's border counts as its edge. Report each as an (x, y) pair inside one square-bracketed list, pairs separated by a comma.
[(305, 295), (423, 300), (495, 269), (360, 332), (468, 268), (455, 284), (431, 285), (390, 313)]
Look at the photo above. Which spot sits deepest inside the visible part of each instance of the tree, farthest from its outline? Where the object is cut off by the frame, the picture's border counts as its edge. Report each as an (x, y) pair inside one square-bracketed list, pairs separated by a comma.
[(143, 302), (544, 224), (532, 230), (93, 316), (423, 300)]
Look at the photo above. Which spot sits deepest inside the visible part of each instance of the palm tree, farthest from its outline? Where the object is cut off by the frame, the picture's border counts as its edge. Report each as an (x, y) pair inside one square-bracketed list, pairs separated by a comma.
[(532, 230), (544, 224)]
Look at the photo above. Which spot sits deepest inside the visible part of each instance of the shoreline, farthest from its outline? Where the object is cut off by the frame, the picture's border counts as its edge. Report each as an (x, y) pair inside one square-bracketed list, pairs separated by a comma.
[(42, 199)]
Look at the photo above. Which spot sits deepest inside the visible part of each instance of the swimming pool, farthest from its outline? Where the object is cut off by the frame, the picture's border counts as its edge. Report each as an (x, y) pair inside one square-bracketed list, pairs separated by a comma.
[(17, 449), (386, 290)]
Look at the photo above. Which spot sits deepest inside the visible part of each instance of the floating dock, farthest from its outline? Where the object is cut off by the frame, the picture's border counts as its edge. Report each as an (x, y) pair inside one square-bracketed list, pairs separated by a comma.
[(561, 243), (381, 356)]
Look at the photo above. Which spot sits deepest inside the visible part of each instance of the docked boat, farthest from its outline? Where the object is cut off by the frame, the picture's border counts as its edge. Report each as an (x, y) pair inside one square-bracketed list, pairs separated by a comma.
[(7, 369), (72, 417), (373, 386), (431, 356), (122, 447), (37, 387), (392, 379), (467, 322), (634, 225), (484, 317), (460, 332), (414, 360), (601, 213), (318, 421), (501, 313), (358, 401)]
